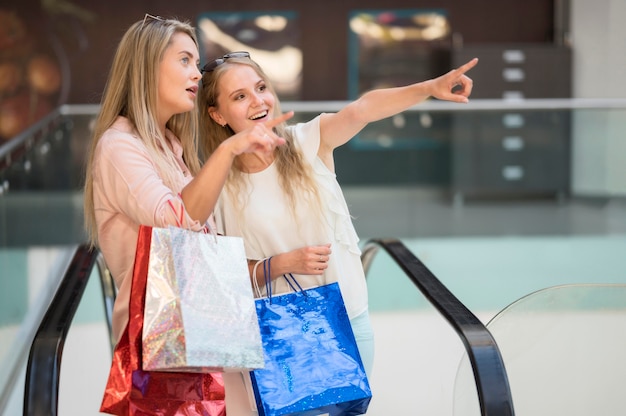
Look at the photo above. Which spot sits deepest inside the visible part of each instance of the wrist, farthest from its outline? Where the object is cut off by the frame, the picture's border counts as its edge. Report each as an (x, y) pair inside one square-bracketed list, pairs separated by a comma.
[(428, 88), (278, 265), (228, 148)]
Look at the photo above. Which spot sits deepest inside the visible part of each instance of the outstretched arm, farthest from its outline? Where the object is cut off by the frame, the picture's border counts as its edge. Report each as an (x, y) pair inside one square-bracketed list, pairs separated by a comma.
[(340, 127)]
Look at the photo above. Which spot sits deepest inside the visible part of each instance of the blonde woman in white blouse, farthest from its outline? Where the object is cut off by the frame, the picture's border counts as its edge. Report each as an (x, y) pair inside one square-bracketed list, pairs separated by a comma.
[(287, 204)]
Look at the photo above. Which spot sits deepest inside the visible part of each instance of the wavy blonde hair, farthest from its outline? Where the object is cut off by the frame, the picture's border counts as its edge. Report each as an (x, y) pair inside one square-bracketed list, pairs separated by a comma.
[(294, 174), (131, 91)]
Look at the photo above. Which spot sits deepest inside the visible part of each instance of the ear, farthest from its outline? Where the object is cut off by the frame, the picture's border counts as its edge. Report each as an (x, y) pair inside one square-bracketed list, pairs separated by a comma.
[(216, 116)]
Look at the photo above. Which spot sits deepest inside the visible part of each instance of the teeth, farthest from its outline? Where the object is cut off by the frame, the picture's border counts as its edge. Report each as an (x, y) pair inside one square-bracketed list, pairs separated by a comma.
[(258, 115)]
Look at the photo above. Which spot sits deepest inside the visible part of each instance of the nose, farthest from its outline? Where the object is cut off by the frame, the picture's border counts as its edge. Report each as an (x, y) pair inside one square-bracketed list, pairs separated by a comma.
[(197, 75), (258, 100)]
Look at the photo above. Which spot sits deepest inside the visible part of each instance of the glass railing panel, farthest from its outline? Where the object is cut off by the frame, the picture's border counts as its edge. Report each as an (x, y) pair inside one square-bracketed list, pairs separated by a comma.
[(86, 359), (86, 356), (28, 285), (42, 200), (425, 146), (40, 223), (563, 350)]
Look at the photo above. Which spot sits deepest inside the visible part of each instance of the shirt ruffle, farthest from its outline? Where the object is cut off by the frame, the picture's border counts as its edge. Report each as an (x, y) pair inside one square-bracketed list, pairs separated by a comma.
[(337, 213)]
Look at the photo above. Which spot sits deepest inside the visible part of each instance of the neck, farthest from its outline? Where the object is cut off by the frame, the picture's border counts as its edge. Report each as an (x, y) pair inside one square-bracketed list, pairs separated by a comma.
[(254, 162)]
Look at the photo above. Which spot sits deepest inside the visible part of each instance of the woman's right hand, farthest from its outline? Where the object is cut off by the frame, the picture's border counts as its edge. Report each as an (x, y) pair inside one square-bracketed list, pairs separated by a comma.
[(260, 138), (309, 260)]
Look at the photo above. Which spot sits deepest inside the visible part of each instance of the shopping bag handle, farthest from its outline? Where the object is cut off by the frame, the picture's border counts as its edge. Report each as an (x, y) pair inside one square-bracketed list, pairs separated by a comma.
[(267, 268), (179, 221)]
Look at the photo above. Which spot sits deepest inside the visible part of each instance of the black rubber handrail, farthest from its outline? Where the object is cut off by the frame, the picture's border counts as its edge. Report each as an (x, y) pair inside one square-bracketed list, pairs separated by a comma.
[(492, 383), (41, 389), (109, 293)]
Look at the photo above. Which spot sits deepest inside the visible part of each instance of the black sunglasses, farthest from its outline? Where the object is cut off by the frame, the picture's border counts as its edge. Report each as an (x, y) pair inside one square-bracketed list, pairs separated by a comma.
[(210, 66)]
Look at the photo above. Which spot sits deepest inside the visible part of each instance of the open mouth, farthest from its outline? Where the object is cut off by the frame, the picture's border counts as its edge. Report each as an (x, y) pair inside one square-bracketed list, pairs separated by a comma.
[(260, 115)]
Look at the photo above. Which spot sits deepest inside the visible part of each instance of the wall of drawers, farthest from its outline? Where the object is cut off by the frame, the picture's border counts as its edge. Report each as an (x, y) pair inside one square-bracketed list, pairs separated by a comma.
[(525, 152)]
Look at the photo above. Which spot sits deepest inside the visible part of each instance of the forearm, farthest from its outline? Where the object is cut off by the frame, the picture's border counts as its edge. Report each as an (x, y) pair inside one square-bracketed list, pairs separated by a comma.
[(308, 260), (202, 193), (382, 103), (336, 129), (274, 264), (453, 86)]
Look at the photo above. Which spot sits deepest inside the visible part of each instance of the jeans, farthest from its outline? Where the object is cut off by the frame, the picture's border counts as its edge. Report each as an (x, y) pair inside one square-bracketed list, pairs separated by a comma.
[(364, 334)]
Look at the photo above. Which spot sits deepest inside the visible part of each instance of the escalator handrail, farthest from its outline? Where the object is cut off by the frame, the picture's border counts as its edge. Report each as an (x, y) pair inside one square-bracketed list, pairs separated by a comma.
[(109, 294), (44, 361), (492, 384)]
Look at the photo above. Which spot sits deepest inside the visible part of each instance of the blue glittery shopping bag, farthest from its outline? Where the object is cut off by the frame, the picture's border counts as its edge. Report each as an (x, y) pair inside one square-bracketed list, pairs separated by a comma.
[(312, 364)]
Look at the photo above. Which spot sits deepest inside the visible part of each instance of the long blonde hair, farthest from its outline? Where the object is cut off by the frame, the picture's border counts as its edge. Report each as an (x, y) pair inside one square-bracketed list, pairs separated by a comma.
[(131, 91), (294, 174)]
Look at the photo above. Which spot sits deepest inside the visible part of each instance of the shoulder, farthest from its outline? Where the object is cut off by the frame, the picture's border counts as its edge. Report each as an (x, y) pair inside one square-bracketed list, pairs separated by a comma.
[(120, 148), (305, 130), (306, 136), (120, 136)]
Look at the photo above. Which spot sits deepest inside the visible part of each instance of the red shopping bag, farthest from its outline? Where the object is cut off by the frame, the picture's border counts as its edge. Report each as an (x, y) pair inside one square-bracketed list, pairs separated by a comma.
[(132, 391)]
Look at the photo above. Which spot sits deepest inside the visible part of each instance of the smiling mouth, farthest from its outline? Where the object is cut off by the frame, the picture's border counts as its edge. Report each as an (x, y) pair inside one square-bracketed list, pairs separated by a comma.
[(193, 90), (259, 115)]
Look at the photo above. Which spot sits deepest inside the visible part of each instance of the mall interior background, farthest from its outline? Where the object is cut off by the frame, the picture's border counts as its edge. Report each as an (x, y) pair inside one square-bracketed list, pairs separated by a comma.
[(565, 223)]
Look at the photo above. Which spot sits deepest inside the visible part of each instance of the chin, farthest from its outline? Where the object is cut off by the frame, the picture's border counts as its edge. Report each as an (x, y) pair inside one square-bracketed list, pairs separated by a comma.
[(187, 108)]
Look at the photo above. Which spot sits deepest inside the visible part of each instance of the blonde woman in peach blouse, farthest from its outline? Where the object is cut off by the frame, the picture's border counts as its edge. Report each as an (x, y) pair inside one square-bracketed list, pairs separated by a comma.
[(143, 166)]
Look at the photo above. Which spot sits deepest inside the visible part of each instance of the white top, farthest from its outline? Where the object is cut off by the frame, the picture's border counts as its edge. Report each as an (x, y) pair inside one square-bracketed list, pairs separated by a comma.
[(268, 226)]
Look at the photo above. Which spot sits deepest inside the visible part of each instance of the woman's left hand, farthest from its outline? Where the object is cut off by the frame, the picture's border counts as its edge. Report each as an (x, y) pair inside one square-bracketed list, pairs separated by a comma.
[(260, 138), (311, 260)]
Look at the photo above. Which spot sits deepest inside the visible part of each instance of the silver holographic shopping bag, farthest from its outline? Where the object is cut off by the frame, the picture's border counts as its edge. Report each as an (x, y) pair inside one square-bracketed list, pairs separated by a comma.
[(199, 312)]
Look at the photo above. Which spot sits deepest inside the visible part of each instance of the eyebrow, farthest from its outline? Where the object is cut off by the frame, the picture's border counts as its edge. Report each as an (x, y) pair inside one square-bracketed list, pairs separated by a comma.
[(189, 54), (261, 81)]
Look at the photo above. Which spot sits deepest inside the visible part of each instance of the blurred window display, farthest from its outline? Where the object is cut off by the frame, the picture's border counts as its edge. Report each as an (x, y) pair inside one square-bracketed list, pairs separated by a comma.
[(389, 48), (396, 47), (271, 38)]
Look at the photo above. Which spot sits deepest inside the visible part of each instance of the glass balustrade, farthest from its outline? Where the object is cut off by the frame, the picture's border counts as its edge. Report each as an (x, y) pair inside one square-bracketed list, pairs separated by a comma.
[(499, 199)]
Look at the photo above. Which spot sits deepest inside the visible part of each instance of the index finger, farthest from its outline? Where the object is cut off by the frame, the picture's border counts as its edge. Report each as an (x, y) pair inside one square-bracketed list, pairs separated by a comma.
[(467, 66), (276, 121)]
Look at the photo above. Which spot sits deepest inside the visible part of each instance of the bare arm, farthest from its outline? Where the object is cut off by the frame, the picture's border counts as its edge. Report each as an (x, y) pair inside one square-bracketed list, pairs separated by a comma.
[(339, 128), (201, 194), (309, 260)]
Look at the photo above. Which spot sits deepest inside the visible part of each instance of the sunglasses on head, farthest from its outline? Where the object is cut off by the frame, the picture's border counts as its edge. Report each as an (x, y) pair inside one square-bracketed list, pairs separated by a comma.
[(210, 66), (149, 16)]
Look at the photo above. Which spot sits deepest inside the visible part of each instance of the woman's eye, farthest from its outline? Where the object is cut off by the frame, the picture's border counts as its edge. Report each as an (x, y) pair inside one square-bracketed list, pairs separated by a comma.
[(185, 60)]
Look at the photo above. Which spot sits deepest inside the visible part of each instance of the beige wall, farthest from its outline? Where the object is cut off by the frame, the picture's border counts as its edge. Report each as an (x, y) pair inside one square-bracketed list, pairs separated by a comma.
[(598, 37)]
